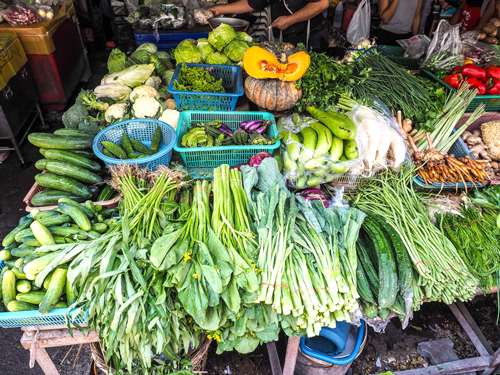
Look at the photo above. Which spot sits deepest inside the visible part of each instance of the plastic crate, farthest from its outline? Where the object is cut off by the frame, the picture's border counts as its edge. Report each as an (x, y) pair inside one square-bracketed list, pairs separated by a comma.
[(167, 41), (459, 149), (396, 55), (112, 203), (34, 318), (487, 117), (232, 81), (212, 157), (491, 102), (141, 130)]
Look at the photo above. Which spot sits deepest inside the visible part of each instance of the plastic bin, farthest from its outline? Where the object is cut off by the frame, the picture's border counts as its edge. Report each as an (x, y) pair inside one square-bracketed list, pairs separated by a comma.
[(169, 39), (491, 102), (141, 130), (212, 157), (232, 81), (34, 318)]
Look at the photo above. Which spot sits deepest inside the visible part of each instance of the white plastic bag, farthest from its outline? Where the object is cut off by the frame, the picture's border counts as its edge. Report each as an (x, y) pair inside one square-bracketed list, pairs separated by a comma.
[(359, 28)]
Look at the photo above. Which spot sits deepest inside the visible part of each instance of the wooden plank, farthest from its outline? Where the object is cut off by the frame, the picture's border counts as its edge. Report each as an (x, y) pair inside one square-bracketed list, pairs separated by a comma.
[(483, 352), (45, 362), (494, 367), (292, 350), (51, 339), (474, 327), (455, 367), (273, 358)]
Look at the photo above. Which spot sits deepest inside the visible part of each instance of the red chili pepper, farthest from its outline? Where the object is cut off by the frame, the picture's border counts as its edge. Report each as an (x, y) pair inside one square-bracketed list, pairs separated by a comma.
[(473, 71), (454, 80), (458, 69), (477, 84), (493, 87), (493, 72)]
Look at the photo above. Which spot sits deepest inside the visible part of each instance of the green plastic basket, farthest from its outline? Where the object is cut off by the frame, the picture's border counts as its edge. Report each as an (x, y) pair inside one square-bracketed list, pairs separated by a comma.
[(212, 157), (491, 102)]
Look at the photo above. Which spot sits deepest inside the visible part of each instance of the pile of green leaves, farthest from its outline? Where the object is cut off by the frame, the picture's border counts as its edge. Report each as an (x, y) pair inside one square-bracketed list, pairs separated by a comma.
[(324, 82), (437, 95), (197, 79)]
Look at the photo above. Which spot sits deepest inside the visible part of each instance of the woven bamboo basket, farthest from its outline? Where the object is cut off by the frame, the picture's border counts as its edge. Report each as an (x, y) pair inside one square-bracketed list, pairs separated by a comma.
[(198, 356)]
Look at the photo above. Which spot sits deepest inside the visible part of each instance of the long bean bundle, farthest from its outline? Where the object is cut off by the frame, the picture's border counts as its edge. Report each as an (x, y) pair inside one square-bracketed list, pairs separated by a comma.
[(395, 87), (441, 270), (476, 241)]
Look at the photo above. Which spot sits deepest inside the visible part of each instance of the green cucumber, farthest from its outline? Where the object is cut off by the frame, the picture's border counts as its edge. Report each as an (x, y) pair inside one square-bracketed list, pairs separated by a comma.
[(108, 212), (14, 306), (61, 305), (54, 181), (34, 213), (70, 293), (89, 154), (88, 212), (34, 297), (24, 233), (8, 287), (22, 252), (76, 214), (19, 274), (54, 291), (23, 286), (24, 223), (71, 157), (54, 220), (99, 227), (59, 142), (19, 262), (44, 214), (94, 190), (5, 254), (31, 241), (41, 164), (42, 234), (46, 282), (73, 133), (37, 265), (63, 168), (49, 197), (69, 232)]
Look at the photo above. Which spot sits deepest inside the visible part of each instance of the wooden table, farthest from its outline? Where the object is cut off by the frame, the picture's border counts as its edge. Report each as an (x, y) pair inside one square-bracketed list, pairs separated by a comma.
[(36, 339)]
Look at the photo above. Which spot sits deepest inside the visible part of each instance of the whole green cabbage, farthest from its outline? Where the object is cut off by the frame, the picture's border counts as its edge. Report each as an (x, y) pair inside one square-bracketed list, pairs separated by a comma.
[(217, 58), (165, 58), (221, 36), (205, 48), (186, 52), (235, 50), (167, 76), (150, 47), (244, 37), (160, 68), (133, 76), (140, 57), (116, 61)]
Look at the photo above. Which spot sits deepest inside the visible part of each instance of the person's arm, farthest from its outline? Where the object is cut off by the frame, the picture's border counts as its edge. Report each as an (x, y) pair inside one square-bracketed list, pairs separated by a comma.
[(309, 11), (416, 19), (458, 14), (238, 7), (487, 15), (387, 9), (497, 8)]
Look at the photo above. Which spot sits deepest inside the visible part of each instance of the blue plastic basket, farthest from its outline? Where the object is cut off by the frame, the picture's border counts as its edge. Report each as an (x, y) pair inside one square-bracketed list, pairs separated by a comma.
[(141, 130), (232, 81), (212, 157), (34, 318), (459, 150)]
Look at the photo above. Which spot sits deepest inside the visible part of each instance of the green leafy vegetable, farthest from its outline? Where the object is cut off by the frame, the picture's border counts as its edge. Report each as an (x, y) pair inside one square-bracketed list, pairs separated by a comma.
[(217, 58), (221, 36), (197, 79), (205, 47), (235, 50), (116, 61), (186, 52)]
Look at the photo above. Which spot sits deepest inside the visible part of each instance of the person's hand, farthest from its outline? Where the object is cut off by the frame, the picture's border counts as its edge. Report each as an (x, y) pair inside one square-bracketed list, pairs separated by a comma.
[(282, 23), (217, 10)]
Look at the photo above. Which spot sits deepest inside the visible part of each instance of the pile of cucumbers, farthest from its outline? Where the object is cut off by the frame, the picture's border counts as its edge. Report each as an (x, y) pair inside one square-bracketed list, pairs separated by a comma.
[(318, 151), (71, 171), (70, 222), (131, 148), (384, 271)]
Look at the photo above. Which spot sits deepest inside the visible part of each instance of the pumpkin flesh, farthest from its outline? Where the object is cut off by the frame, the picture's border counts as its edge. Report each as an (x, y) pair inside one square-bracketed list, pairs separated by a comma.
[(261, 64)]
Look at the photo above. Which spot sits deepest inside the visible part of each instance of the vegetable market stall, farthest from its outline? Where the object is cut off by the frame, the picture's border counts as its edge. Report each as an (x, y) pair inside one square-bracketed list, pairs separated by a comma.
[(258, 249)]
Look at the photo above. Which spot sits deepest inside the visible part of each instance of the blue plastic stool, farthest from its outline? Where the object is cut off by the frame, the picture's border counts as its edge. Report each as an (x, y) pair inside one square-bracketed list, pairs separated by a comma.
[(331, 342)]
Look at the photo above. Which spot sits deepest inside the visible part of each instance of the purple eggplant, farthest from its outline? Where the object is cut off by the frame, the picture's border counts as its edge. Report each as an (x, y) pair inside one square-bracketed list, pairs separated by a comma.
[(226, 130), (260, 130), (248, 124)]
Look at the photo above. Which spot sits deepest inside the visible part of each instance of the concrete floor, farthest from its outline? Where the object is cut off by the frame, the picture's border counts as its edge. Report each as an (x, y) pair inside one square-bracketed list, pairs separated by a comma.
[(15, 182)]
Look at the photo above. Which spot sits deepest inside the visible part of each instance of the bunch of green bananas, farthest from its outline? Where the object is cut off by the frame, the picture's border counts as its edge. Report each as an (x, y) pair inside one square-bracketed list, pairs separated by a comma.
[(197, 137)]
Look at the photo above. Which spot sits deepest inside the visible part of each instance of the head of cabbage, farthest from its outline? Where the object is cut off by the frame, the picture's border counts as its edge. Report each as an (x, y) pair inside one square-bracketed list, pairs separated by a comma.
[(217, 58), (204, 47), (140, 57), (221, 36), (116, 61), (235, 50), (150, 47), (244, 37), (186, 52)]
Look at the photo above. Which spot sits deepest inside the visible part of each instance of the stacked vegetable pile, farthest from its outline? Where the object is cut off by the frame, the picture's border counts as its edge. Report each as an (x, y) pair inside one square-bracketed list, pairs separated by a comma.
[(29, 280), (489, 33), (215, 133), (70, 169), (224, 46), (273, 69)]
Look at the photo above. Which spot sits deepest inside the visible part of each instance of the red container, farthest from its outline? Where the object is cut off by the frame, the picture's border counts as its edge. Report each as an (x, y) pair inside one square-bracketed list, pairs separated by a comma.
[(58, 73)]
